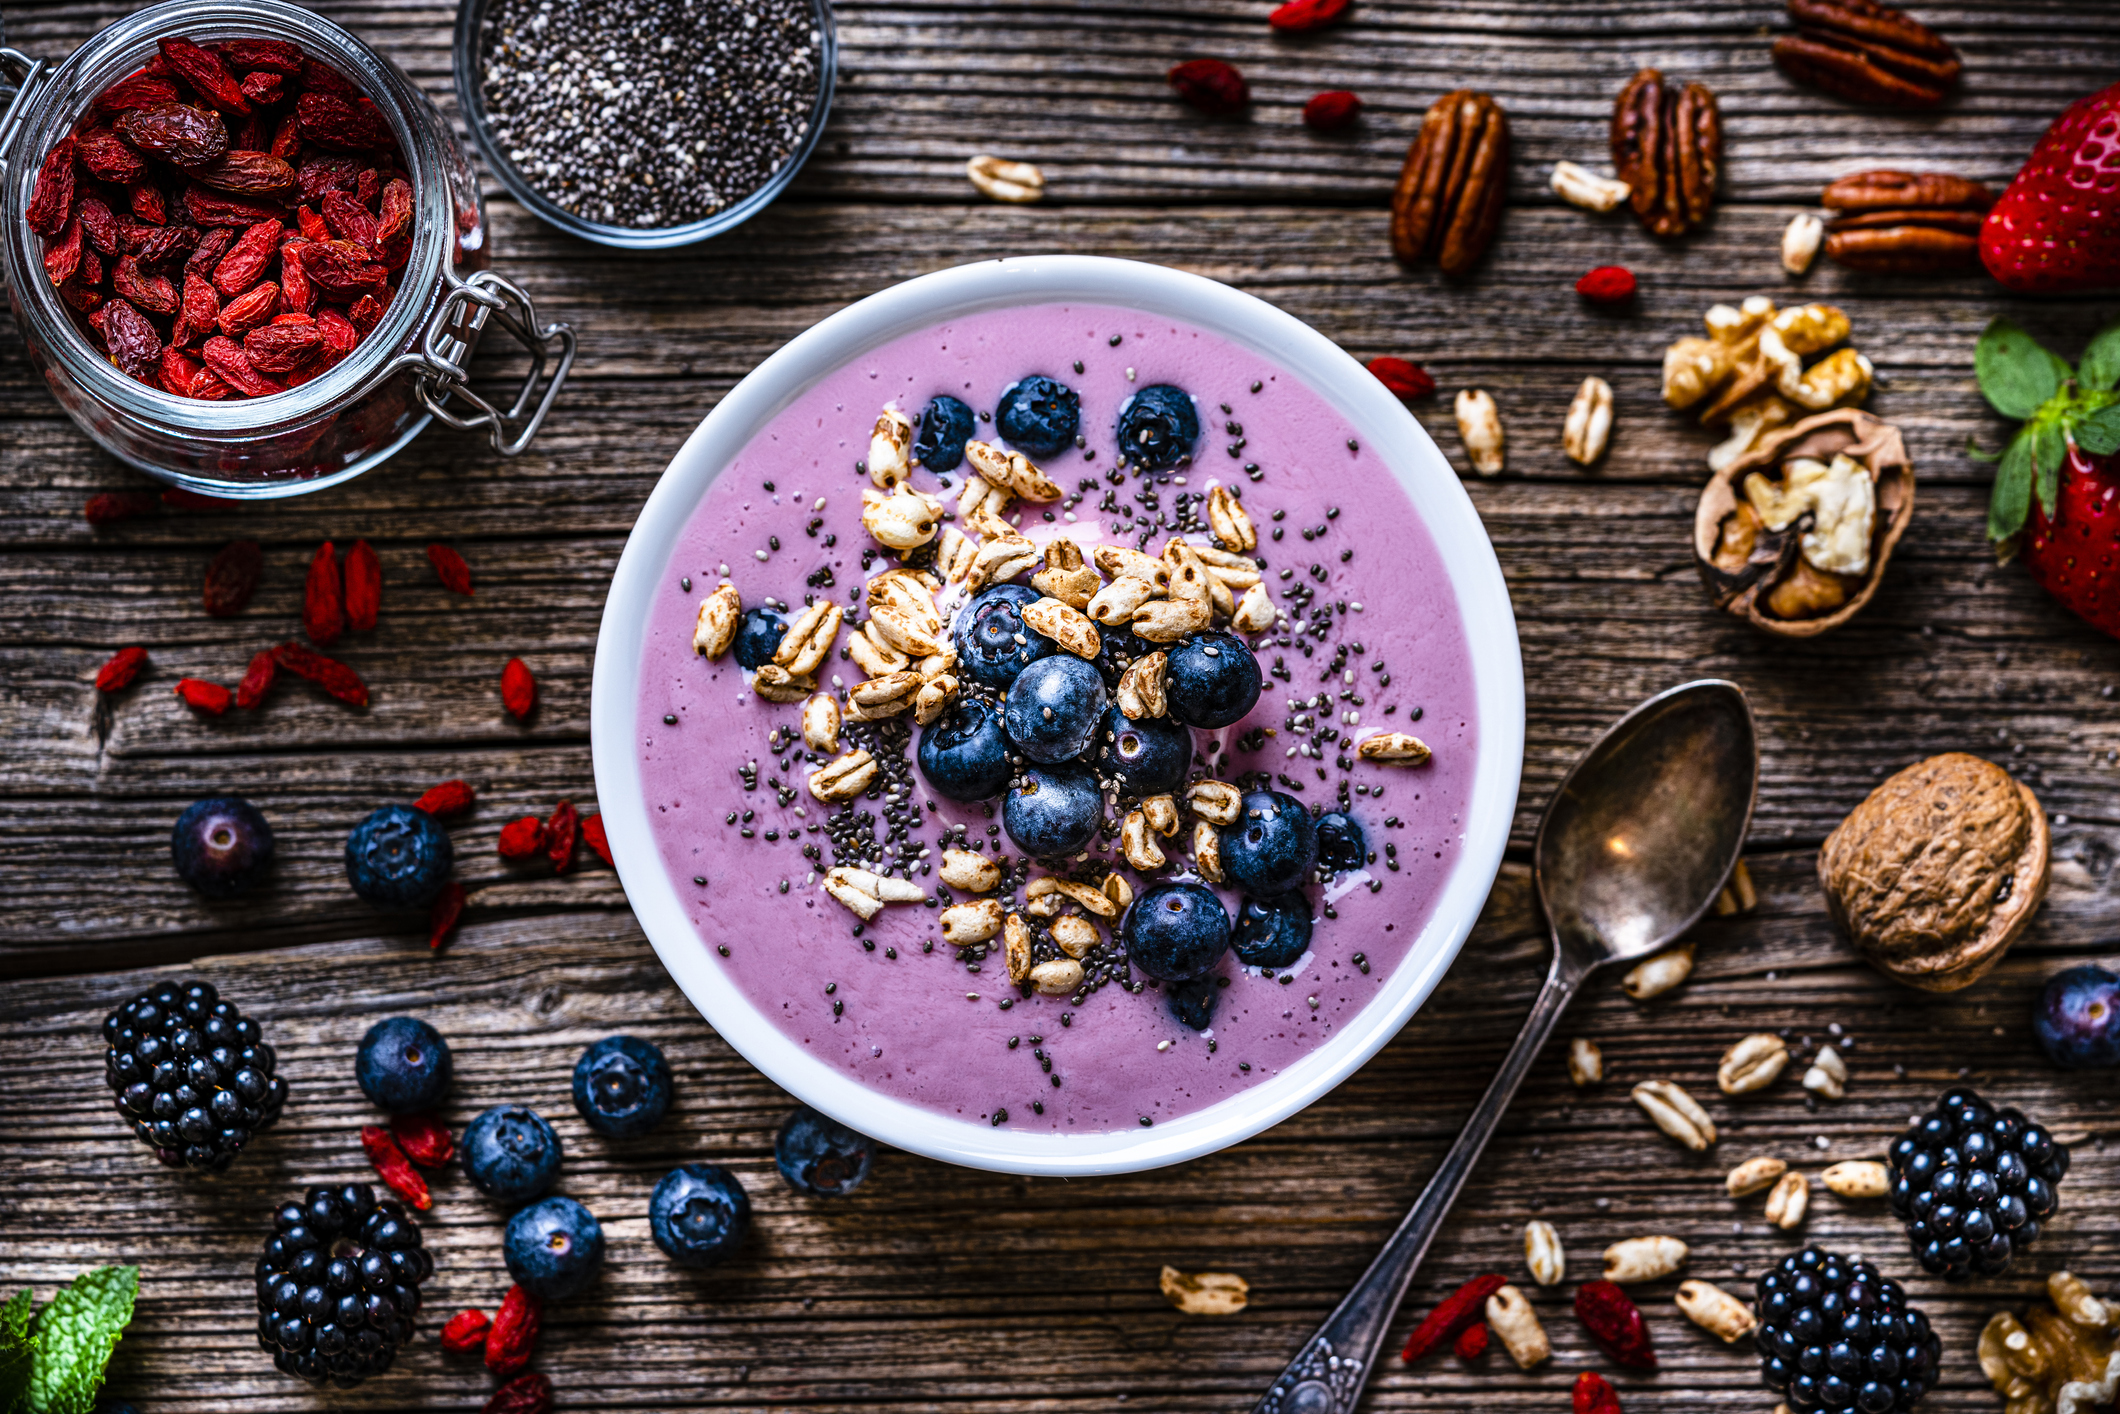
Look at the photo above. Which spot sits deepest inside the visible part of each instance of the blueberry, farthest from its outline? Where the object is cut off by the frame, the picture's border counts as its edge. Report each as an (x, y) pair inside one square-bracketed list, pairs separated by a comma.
[(1053, 708), (1272, 931), (1157, 427), (1272, 847), (699, 1214), (1153, 754), (1341, 846), (993, 642), (964, 755), (1054, 810), (511, 1153), (1212, 681), (622, 1087), (221, 845), (553, 1248), (1117, 650), (1193, 1003), (1176, 931), (398, 858), (944, 429), (2077, 1019), (820, 1156), (1039, 416), (403, 1065), (758, 637)]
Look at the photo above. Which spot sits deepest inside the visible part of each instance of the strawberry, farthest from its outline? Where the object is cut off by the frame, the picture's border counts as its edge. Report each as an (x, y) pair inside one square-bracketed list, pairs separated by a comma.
[(2057, 491), (2057, 229)]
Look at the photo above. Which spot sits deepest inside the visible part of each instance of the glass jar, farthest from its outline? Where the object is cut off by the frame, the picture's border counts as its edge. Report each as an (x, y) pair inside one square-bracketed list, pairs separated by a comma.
[(334, 427)]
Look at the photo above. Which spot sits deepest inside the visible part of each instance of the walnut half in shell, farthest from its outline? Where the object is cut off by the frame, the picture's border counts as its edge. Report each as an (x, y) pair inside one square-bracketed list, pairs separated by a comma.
[(1794, 536), (1939, 871)]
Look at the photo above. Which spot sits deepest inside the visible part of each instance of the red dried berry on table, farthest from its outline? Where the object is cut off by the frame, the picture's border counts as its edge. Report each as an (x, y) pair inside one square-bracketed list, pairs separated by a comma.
[(393, 1167), (1407, 381), (1212, 87), (1615, 1323), (1608, 284), (518, 690), (203, 72), (424, 1138), (1594, 1394), (208, 697), (1330, 112), (448, 798), (1471, 1343), (53, 200), (110, 507), (442, 917), (323, 598), (232, 577), (561, 832), (123, 667), (465, 1331), (364, 587), (513, 1339), (526, 1394), (593, 833), (330, 674), (449, 567), (257, 680), (1452, 1315), (523, 839), (175, 132), (1302, 16)]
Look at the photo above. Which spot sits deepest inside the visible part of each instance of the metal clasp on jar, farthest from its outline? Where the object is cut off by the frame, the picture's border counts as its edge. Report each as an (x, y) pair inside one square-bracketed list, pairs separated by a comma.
[(445, 348)]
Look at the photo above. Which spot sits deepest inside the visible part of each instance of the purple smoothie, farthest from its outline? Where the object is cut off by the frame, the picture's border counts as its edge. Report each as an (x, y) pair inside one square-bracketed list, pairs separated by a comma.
[(919, 1024)]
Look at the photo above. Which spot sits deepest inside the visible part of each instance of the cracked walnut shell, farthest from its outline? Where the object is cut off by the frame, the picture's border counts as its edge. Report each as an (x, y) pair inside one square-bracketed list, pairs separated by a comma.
[(1939, 871)]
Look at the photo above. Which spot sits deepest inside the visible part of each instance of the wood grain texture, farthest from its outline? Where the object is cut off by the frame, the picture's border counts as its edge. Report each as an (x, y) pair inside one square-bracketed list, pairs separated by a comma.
[(937, 1288)]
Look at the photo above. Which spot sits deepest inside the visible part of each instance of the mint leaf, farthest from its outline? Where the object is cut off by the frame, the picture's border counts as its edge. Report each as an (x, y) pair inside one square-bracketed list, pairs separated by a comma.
[(2049, 451), (2016, 375), (2100, 369), (2011, 500), (16, 1347), (2099, 434), (76, 1332)]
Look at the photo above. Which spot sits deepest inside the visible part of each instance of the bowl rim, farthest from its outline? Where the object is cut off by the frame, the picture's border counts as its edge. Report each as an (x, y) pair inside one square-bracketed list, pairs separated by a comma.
[(1378, 418)]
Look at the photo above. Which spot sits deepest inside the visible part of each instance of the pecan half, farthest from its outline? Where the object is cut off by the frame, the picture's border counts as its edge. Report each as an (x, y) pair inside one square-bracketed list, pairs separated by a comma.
[(1667, 147), (1867, 53), (1905, 223), (1449, 199)]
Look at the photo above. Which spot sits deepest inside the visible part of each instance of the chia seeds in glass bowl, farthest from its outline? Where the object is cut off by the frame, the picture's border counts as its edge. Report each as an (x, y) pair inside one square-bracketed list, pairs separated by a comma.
[(645, 123)]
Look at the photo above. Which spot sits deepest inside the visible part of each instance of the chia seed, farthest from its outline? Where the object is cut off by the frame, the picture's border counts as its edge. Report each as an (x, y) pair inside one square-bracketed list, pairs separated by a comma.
[(649, 113)]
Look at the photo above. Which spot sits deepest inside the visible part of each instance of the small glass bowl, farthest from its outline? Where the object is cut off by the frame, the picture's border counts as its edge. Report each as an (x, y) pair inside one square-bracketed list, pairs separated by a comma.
[(471, 19)]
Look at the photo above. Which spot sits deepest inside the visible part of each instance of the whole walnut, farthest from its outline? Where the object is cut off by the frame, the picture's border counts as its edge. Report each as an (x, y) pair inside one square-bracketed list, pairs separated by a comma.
[(1939, 871)]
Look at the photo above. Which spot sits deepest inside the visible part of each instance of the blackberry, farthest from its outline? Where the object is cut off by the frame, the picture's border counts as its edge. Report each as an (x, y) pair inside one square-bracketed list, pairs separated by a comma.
[(1835, 1336), (1974, 1184), (192, 1075), (338, 1285)]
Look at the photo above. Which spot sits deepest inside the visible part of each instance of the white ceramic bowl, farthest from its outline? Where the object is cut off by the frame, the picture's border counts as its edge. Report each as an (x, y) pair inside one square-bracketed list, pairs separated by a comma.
[(1383, 425)]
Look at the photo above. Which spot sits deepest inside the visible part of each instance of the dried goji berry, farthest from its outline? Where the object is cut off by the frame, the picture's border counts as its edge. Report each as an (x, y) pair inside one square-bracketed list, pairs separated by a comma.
[(159, 246), (364, 587), (452, 797), (347, 124), (348, 219), (232, 577), (1330, 112), (325, 79), (465, 1331), (313, 226), (343, 271), (1594, 1394), (1451, 1316), (368, 187), (141, 88), (99, 225), (153, 294), (593, 833), (208, 697), (448, 907), (198, 313), (330, 674), (1608, 284), (208, 207), (523, 839), (1211, 86), (1471, 1343), (287, 137), (272, 56), (62, 254), (1299, 16), (1615, 1323), (449, 567), (513, 1339), (393, 226), (264, 90), (247, 172), (179, 371), (282, 348), (134, 345), (203, 71), (175, 132), (318, 175), (561, 832), (393, 1167), (53, 199), (210, 388), (323, 598), (1406, 380), (109, 158), (424, 1138), (147, 203), (257, 680), (123, 667), (110, 507), (518, 690), (364, 314), (525, 1394), (340, 337), (247, 260), (227, 361)]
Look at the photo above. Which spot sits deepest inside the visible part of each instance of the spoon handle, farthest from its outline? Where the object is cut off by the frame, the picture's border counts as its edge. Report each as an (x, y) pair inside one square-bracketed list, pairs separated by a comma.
[(1328, 1375)]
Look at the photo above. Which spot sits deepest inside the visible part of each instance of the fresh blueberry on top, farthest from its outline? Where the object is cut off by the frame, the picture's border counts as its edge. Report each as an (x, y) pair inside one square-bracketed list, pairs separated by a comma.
[(1212, 681), (403, 1065), (511, 1153), (1054, 809), (1193, 1003), (1053, 707), (1117, 650), (944, 429), (1158, 427), (820, 1156), (1039, 416), (221, 845), (1272, 931), (622, 1086), (758, 637), (1176, 931), (1152, 754), (699, 1214), (2077, 1019), (993, 642), (1342, 847), (964, 754), (1273, 845), (553, 1248), (398, 857)]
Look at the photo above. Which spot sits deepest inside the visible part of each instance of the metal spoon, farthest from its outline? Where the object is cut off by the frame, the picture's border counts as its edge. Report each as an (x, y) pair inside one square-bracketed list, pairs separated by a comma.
[(1633, 848)]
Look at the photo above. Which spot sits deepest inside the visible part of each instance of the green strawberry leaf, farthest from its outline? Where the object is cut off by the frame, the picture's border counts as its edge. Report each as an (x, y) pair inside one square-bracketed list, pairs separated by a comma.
[(17, 1346), (2049, 451), (2100, 369), (2099, 433), (2016, 375), (76, 1332), (2011, 500)]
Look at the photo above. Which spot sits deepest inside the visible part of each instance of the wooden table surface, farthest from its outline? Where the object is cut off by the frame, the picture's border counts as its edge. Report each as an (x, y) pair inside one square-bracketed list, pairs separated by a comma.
[(938, 1288)]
